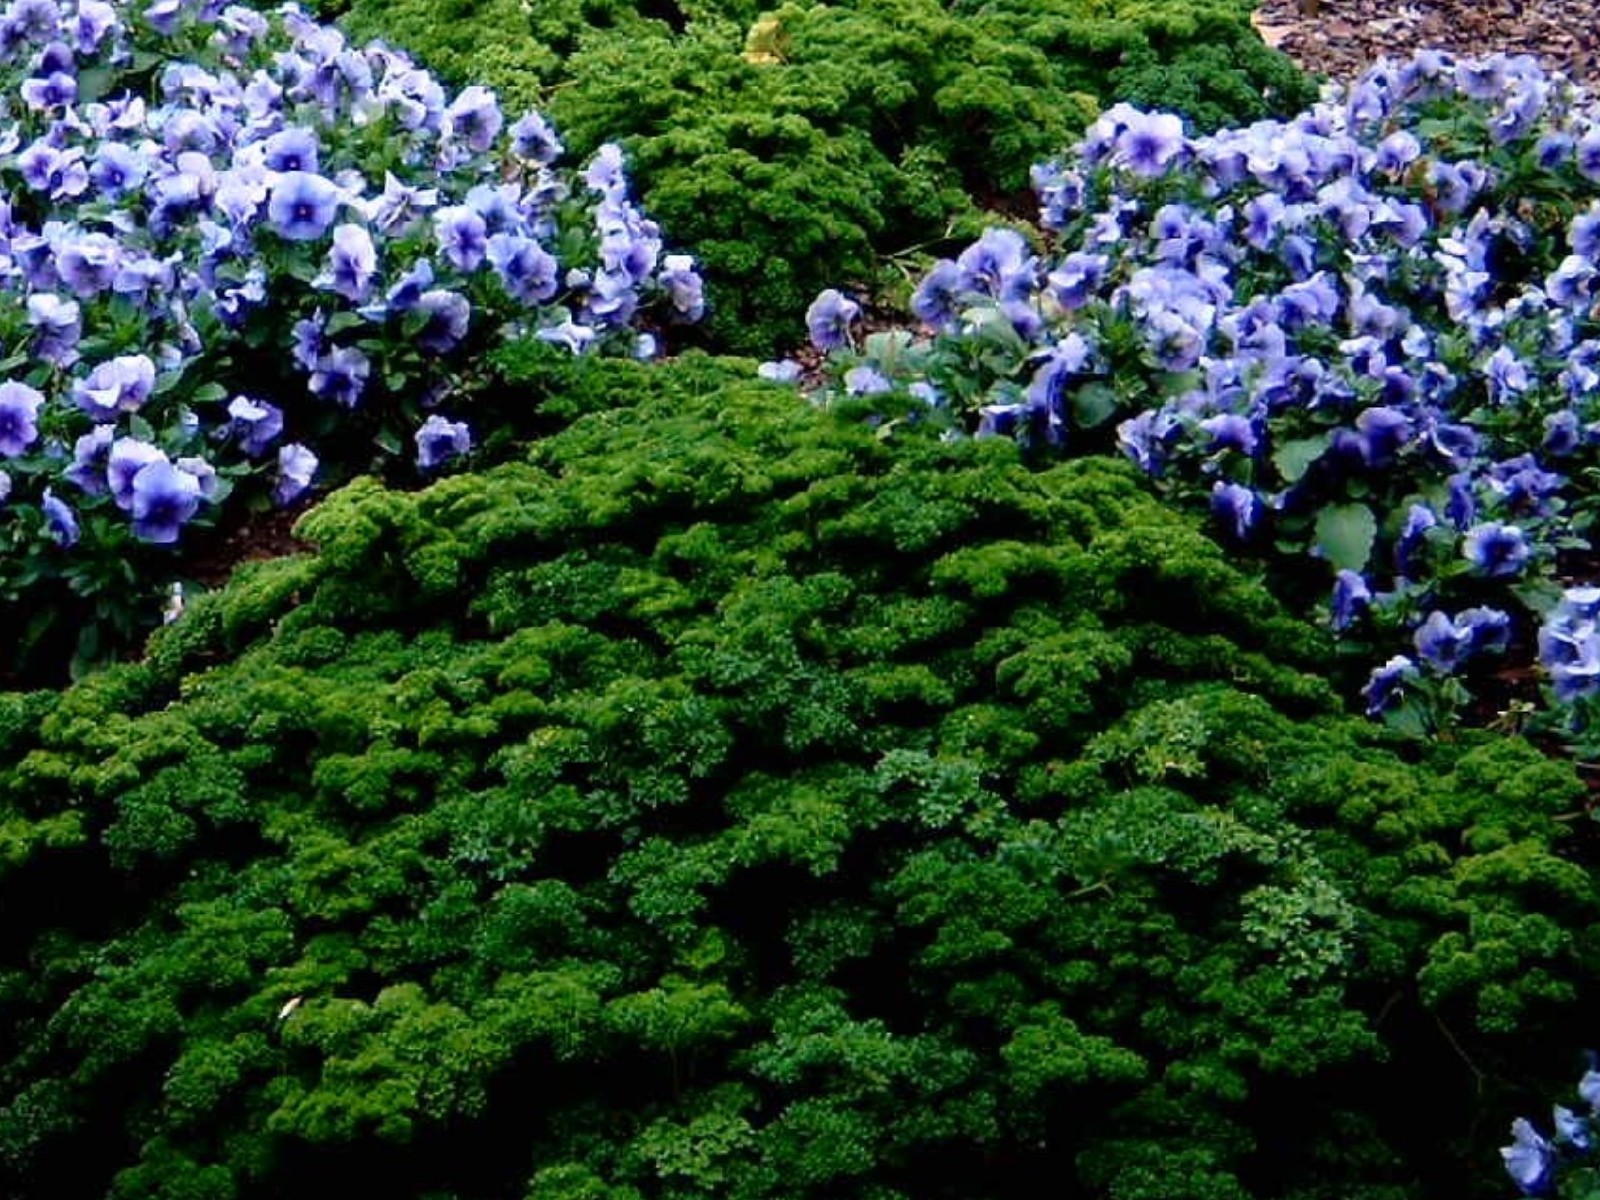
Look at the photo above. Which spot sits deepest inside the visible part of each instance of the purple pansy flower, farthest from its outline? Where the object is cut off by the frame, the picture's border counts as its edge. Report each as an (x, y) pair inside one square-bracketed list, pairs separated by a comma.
[(303, 206), (447, 315), (440, 440), (528, 273), (128, 457), (56, 90), (255, 423), (1351, 597), (90, 454), (1496, 550), (399, 206), (1236, 507), (1441, 643), (683, 285), (293, 149), (296, 466), (88, 264), (59, 520), (829, 319), (1529, 1159), (474, 117), (1149, 142), (19, 414), (164, 498), (462, 236), (532, 138), (352, 263), (1387, 683), (120, 385), (341, 376)]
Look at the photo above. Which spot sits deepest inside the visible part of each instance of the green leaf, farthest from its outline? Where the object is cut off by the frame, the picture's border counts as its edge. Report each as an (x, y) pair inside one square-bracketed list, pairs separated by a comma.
[(208, 393), (1093, 404), (343, 321), (1538, 595), (1345, 533), (1293, 458), (886, 346)]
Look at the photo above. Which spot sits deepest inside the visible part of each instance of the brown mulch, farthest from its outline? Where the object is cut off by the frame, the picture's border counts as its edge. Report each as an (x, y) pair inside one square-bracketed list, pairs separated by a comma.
[(267, 535), (1344, 37)]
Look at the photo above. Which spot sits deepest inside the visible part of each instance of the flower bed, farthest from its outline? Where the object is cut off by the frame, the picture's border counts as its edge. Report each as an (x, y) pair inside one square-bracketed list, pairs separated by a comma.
[(1369, 335), (231, 245)]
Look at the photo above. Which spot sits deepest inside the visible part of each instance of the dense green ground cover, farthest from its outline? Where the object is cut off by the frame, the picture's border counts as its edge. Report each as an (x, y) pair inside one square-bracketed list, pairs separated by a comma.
[(846, 131), (728, 802)]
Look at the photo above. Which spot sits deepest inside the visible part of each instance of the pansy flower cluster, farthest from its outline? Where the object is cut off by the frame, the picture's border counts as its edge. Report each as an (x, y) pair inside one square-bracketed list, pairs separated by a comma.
[(1371, 332), (1544, 1166), (229, 238)]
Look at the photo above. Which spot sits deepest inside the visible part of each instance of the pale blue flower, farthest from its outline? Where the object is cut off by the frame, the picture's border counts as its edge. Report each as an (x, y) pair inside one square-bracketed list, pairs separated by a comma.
[(119, 385), (440, 440), (19, 414), (60, 522), (447, 316), (533, 139), (296, 467), (829, 319), (294, 149), (1387, 683), (303, 206), (352, 264), (255, 423), (1496, 550), (117, 170), (341, 376), (462, 236), (1149, 143), (89, 458), (474, 117), (1529, 1159), (164, 499), (128, 457)]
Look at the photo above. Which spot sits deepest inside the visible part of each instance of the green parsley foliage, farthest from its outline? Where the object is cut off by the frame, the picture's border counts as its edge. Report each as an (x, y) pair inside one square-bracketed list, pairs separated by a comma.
[(730, 801)]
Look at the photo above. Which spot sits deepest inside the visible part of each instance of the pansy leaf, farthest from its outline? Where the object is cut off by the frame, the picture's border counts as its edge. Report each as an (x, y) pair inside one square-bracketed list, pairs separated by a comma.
[(1538, 595), (1093, 404), (1293, 458), (93, 83), (1345, 533), (342, 321)]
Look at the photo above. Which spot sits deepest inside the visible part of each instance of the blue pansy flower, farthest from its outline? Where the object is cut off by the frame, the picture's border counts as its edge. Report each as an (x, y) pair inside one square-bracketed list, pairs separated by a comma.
[(341, 375), (60, 522), (255, 423), (164, 498), (1495, 549), (1387, 683), (1236, 507), (296, 466), (1351, 597), (1529, 1159), (440, 440), (19, 414), (829, 318), (303, 206), (447, 317), (352, 264)]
